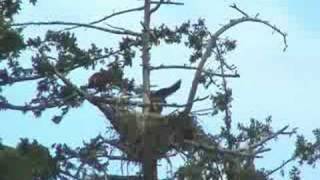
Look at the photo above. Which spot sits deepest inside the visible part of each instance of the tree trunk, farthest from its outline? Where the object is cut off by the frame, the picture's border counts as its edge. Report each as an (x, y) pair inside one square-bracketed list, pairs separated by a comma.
[(150, 169), (149, 162)]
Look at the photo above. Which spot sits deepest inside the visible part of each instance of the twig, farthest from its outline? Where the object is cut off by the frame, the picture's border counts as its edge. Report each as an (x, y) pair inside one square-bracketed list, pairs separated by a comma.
[(108, 17), (234, 6)]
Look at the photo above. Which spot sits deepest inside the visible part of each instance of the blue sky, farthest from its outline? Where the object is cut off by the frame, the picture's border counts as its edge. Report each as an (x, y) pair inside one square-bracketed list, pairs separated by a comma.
[(282, 84)]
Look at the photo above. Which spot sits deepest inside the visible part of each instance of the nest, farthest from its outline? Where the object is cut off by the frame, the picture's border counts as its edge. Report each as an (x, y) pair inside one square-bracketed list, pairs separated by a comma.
[(161, 132)]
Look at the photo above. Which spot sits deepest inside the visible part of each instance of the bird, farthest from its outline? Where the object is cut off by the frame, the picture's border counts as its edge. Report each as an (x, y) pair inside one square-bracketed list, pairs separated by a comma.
[(158, 97)]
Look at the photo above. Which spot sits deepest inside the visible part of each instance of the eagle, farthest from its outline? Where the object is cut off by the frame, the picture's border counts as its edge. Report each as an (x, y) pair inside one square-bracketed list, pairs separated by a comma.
[(158, 97)]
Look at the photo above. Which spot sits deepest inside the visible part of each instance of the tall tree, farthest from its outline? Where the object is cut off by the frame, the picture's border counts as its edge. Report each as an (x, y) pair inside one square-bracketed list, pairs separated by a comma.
[(141, 132)]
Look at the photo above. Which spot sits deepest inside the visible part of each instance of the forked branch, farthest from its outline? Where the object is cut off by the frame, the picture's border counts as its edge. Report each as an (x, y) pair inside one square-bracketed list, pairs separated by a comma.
[(212, 44)]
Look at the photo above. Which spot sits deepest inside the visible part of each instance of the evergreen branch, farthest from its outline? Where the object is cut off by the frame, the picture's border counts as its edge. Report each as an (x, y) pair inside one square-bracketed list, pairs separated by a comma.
[(25, 108), (12, 80)]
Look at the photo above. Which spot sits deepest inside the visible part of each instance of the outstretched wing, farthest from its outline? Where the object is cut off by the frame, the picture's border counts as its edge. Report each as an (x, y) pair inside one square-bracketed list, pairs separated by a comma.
[(165, 92)]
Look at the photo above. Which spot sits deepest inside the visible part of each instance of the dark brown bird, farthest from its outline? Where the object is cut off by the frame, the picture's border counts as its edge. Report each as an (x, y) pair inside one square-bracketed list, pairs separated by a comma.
[(159, 97), (100, 80)]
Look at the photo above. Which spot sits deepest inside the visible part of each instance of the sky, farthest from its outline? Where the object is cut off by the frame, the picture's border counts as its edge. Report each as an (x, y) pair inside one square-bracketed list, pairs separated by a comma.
[(282, 84)]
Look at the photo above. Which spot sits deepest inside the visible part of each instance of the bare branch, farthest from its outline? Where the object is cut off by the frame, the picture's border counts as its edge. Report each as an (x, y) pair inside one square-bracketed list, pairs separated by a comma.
[(169, 2), (192, 68), (234, 6), (126, 32), (212, 44), (25, 108), (202, 110), (118, 28), (215, 148), (280, 166), (108, 17), (156, 7), (272, 136), (161, 2)]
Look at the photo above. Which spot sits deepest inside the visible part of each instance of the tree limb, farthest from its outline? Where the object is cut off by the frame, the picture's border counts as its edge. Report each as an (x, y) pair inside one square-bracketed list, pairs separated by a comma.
[(20, 79), (125, 32), (215, 148), (280, 166), (272, 136), (156, 7), (108, 17), (212, 44), (169, 2), (6, 105), (192, 68)]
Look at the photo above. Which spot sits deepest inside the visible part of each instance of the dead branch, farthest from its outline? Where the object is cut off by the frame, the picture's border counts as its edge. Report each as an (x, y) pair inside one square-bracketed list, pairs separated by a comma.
[(280, 166), (168, 2), (117, 28), (212, 44), (108, 17), (272, 136), (123, 32), (217, 149), (156, 7), (192, 68), (234, 6)]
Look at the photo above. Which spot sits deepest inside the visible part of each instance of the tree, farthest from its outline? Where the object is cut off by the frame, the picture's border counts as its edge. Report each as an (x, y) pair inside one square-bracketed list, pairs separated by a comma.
[(141, 133)]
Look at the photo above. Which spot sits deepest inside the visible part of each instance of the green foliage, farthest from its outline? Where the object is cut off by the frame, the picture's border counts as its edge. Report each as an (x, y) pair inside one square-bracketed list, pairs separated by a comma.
[(295, 173), (26, 161), (306, 151), (9, 8), (11, 41), (248, 174)]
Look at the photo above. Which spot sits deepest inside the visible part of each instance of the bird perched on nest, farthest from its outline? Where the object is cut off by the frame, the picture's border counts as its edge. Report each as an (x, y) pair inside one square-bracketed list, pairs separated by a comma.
[(158, 97)]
